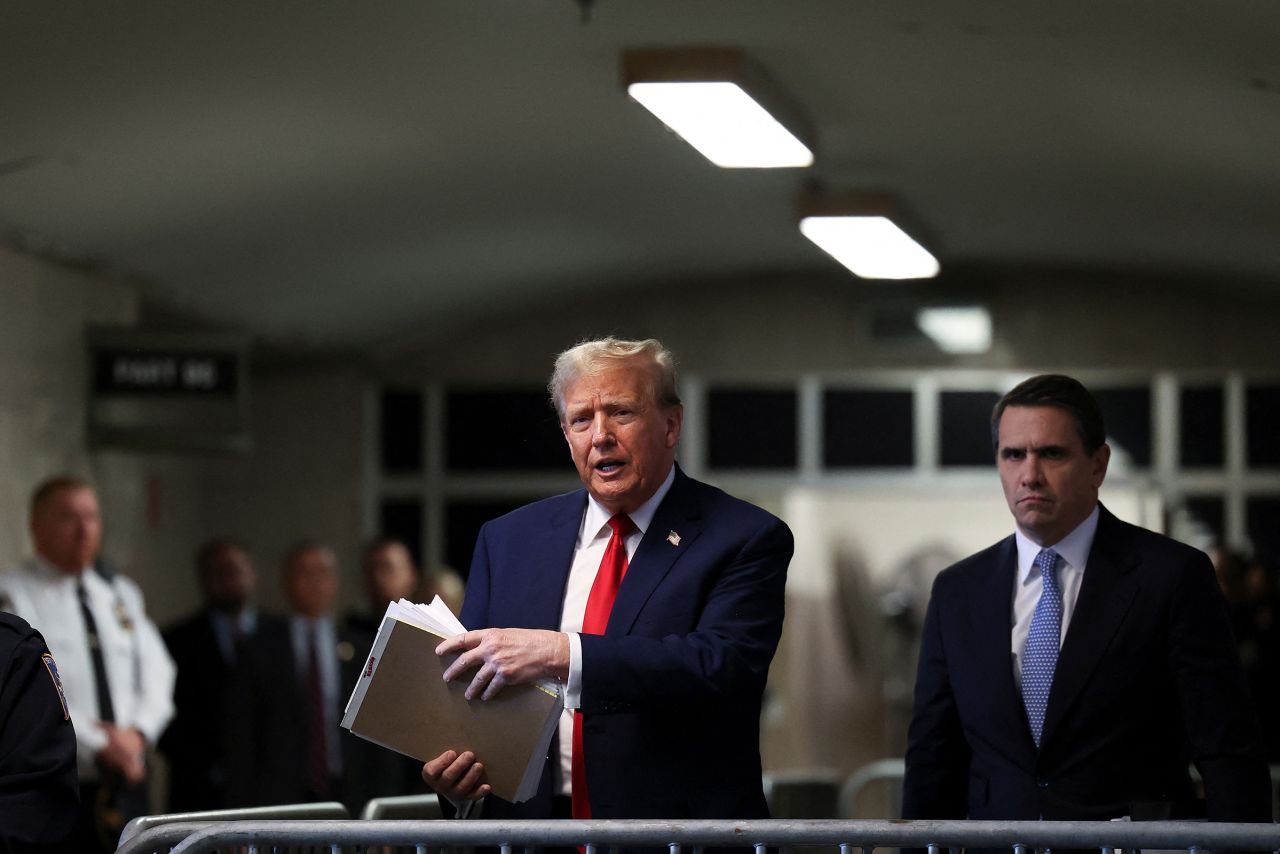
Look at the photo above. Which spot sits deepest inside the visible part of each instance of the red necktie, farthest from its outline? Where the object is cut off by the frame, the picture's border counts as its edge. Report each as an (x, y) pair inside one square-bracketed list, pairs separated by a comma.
[(603, 591)]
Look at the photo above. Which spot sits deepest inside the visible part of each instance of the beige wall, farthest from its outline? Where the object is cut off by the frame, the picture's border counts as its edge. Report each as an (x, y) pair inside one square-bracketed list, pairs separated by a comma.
[(785, 325), (303, 478), (44, 309)]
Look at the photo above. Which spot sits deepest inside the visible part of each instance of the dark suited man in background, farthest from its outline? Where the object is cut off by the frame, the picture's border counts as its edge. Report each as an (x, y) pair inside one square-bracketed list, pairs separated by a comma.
[(311, 587), (296, 688), (663, 685), (1120, 666), (210, 744), (372, 771)]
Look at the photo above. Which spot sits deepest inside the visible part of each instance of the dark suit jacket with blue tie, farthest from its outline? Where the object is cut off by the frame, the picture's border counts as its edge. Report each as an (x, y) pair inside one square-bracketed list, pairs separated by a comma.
[(672, 690), (1147, 679)]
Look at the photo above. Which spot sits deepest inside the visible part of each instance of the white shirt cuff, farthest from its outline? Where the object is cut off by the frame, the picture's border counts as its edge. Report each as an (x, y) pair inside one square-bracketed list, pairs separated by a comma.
[(92, 737), (573, 687)]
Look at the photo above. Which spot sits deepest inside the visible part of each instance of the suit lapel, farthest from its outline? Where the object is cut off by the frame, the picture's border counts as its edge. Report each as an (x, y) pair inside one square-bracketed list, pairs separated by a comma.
[(1106, 594), (679, 514), (551, 547), (992, 615)]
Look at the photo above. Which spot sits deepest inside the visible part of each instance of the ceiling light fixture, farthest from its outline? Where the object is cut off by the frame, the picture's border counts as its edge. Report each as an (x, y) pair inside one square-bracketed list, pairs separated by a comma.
[(863, 232), (957, 329), (722, 104)]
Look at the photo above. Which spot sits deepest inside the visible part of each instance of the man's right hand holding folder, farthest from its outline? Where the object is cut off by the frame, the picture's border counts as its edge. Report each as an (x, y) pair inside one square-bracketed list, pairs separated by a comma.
[(449, 697), (500, 657)]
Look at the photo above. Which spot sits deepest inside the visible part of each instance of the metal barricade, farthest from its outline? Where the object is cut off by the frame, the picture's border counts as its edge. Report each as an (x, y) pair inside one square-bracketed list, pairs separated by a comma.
[(175, 827), (852, 837), (885, 771), (403, 806)]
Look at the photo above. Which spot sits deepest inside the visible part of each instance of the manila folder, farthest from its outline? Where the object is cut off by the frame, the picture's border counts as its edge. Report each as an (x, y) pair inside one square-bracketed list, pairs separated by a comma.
[(403, 703)]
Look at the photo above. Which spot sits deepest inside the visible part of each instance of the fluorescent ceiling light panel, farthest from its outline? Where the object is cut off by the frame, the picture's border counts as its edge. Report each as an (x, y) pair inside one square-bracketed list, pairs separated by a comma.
[(957, 329), (724, 123), (873, 247)]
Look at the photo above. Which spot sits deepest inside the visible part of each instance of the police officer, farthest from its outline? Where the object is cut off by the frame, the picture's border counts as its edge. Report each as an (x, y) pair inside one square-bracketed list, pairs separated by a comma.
[(38, 798), (117, 674)]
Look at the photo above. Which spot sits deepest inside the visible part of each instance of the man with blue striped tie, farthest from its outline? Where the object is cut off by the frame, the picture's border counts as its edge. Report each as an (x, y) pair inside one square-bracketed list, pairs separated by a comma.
[(1073, 670)]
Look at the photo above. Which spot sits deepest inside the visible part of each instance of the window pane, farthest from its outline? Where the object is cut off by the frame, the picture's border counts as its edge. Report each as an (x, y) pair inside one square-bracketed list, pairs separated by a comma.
[(751, 429), (503, 430), (1200, 415), (1127, 414), (867, 428), (400, 436), (462, 523), (401, 518), (966, 428), (1262, 516), (1262, 425)]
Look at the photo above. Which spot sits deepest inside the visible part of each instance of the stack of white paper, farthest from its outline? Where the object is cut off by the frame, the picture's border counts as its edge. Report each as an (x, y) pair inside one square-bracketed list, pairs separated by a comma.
[(402, 702)]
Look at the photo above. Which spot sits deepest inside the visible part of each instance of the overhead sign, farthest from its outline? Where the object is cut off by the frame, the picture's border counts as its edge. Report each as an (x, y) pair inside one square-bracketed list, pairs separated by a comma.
[(166, 391), (134, 371)]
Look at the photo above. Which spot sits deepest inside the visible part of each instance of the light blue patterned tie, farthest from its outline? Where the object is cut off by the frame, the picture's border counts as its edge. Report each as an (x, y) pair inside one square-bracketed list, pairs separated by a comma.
[(1040, 655)]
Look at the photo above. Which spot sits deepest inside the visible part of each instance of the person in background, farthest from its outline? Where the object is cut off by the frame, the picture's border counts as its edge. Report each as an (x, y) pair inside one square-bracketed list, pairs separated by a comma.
[(446, 583), (210, 744), (116, 671), (311, 692), (655, 599), (39, 796), (1250, 591), (1072, 670), (390, 574)]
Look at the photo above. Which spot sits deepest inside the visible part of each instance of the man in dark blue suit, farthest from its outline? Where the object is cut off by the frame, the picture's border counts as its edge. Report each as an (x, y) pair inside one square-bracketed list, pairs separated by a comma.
[(663, 704), (1074, 669), (210, 743)]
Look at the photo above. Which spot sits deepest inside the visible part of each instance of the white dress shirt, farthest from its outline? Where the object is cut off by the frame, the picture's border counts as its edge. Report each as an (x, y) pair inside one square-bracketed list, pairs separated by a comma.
[(140, 673), (1073, 554), (593, 539)]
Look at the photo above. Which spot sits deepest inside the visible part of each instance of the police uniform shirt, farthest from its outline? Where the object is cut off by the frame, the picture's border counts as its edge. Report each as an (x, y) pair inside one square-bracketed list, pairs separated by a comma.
[(140, 673), (39, 795)]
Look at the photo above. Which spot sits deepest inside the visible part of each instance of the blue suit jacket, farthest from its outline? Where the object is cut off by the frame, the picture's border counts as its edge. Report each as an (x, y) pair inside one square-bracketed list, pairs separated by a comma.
[(1147, 679), (672, 691)]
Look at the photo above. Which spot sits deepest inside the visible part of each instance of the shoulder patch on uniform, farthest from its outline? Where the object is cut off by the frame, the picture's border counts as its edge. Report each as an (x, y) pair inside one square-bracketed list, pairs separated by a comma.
[(52, 667)]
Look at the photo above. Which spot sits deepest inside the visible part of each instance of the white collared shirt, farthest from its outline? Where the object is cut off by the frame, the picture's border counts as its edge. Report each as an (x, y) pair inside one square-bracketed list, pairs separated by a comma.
[(1073, 555), (140, 673), (593, 538)]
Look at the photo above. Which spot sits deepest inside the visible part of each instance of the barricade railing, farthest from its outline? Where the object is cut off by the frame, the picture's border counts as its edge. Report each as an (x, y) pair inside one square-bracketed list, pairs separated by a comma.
[(309, 812), (852, 837)]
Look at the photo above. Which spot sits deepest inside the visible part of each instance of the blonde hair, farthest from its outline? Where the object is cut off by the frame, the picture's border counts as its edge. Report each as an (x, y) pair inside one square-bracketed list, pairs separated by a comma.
[(593, 357)]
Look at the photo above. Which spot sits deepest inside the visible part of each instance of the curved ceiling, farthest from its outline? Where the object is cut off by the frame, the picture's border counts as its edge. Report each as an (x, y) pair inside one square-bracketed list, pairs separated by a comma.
[(327, 174)]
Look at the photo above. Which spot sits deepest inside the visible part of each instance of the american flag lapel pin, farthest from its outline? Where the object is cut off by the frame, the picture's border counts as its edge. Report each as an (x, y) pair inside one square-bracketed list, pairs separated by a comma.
[(673, 538)]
